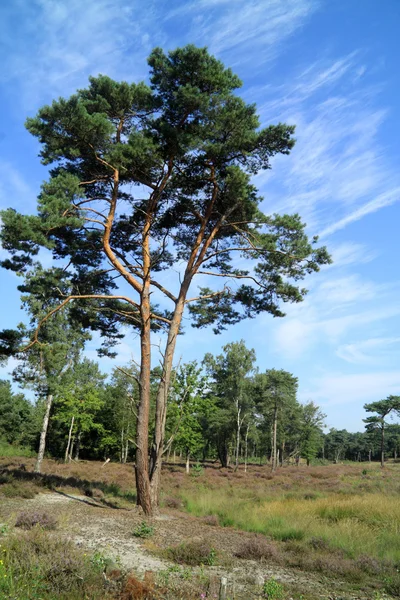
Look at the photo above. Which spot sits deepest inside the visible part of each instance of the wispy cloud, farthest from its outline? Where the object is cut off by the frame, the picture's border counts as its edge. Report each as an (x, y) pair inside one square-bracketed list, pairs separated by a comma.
[(351, 253), (371, 351), (334, 309), (339, 170), (57, 44), (385, 199), (243, 31), (351, 389)]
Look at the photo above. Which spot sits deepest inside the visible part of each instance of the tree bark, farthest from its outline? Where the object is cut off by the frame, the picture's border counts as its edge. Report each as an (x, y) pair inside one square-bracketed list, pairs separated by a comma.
[(43, 433), (67, 450), (77, 444), (383, 445), (142, 441), (238, 424), (157, 448), (274, 450), (245, 448), (188, 463)]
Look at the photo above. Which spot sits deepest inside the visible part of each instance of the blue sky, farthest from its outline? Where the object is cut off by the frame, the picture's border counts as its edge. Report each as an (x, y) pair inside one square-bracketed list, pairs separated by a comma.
[(331, 68)]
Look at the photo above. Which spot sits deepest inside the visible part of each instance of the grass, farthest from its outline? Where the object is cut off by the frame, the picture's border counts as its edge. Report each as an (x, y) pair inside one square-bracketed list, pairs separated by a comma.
[(342, 511), (341, 521), (9, 450), (35, 565)]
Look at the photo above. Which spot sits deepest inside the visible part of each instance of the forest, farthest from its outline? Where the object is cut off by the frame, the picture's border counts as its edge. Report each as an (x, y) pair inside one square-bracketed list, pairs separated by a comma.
[(221, 409)]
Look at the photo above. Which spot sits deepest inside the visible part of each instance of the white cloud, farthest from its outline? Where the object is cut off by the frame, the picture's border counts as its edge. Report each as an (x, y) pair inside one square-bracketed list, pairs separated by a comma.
[(334, 308), (383, 200), (339, 171), (350, 253), (371, 351), (355, 388), (14, 189), (244, 30), (60, 43)]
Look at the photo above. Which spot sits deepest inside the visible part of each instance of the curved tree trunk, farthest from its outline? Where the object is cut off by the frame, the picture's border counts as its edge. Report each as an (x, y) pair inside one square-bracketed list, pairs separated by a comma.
[(43, 434)]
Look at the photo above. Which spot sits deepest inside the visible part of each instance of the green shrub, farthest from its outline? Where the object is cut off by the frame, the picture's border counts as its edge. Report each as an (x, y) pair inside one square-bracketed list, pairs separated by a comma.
[(143, 530), (196, 470), (273, 590), (8, 450)]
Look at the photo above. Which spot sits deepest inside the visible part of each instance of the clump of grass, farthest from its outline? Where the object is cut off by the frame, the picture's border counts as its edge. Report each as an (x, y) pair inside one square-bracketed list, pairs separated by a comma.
[(193, 553), (36, 564), (288, 534), (95, 493), (319, 543), (19, 489), (172, 502), (258, 548), (392, 585), (143, 530), (27, 520), (9, 450), (211, 520)]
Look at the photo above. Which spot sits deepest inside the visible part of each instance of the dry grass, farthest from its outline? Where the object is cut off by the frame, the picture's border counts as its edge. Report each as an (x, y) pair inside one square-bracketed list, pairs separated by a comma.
[(338, 520)]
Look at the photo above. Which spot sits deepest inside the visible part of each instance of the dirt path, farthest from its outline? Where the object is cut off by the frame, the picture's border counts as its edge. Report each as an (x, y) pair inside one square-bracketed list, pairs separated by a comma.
[(109, 531)]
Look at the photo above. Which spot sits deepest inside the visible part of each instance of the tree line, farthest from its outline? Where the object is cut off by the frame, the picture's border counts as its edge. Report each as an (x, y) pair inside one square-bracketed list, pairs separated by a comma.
[(222, 409)]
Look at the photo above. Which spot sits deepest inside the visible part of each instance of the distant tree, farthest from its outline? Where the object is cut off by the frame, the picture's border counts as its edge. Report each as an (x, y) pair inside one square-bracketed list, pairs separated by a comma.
[(229, 372), (143, 177), (119, 412), (312, 420), (62, 339), (276, 390), (383, 408), (393, 439), (16, 415), (188, 406), (336, 444), (79, 404)]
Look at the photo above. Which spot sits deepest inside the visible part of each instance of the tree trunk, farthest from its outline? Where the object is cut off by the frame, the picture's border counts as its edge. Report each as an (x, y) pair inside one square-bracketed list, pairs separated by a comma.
[(142, 440), (369, 455), (43, 433), (222, 449), (157, 448), (122, 446), (188, 463), (77, 444), (245, 448), (383, 445), (274, 449), (237, 438), (67, 450)]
